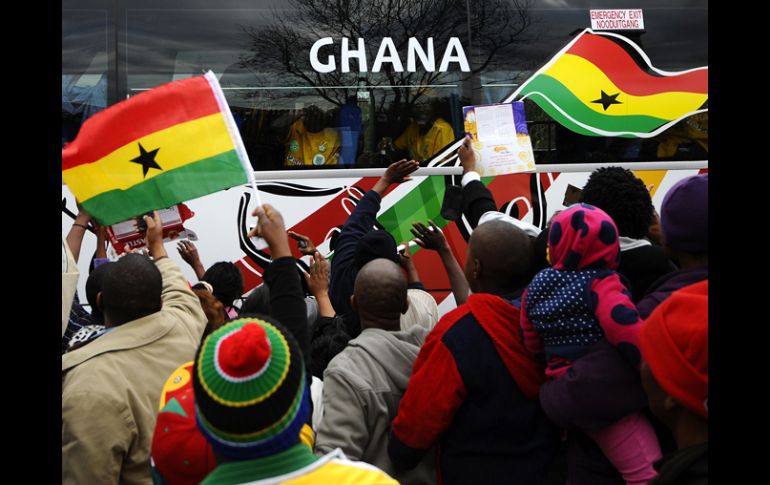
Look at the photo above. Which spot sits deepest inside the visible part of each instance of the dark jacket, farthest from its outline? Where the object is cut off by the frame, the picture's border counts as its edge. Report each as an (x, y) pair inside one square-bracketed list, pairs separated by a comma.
[(689, 466), (577, 402), (477, 200), (642, 266), (343, 267), (287, 302), (667, 284), (579, 398)]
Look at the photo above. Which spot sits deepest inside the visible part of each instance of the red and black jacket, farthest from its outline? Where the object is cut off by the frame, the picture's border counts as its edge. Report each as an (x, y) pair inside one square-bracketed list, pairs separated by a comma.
[(473, 394)]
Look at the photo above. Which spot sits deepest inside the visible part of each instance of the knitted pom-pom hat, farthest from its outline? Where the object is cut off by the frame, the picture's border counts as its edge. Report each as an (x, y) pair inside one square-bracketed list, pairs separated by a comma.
[(250, 389), (675, 340)]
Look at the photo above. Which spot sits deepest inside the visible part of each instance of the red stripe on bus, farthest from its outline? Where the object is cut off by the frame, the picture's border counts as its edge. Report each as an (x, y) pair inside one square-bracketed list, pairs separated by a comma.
[(630, 77)]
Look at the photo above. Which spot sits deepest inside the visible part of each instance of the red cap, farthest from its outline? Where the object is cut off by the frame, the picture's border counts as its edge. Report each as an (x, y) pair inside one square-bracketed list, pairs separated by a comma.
[(180, 453), (674, 341)]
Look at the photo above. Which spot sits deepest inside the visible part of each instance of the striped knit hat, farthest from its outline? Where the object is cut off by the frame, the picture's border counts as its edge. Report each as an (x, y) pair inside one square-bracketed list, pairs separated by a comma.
[(250, 390)]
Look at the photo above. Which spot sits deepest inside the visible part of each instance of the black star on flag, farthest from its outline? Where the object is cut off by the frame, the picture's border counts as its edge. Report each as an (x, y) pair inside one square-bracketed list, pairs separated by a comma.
[(146, 159), (607, 100)]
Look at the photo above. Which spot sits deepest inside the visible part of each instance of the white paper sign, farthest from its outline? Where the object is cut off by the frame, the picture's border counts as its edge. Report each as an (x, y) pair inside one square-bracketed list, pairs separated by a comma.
[(617, 19), (499, 137), (495, 124)]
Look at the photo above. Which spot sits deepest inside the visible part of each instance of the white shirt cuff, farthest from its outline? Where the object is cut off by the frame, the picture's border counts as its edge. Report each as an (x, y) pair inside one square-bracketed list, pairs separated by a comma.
[(469, 177)]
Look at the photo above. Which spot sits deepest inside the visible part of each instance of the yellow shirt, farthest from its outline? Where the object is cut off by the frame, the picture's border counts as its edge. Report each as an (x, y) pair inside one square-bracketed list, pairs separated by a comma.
[(693, 129), (306, 148), (422, 147)]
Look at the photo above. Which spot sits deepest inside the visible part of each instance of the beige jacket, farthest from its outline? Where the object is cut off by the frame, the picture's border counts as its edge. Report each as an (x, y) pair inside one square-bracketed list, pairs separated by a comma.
[(111, 387)]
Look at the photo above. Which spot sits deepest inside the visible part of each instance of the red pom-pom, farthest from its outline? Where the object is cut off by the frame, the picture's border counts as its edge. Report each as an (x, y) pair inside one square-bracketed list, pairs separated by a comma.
[(244, 352)]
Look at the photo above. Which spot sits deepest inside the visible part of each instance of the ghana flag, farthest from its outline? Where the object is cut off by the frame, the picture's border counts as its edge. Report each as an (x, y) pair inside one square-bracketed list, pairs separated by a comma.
[(170, 144), (602, 84)]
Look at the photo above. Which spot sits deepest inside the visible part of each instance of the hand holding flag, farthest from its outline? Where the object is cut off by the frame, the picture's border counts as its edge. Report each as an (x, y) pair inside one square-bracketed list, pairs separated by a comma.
[(271, 228)]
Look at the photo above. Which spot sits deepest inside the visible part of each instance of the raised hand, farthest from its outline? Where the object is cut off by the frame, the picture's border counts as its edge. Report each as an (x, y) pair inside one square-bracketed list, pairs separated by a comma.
[(467, 156), (429, 237), (271, 228), (317, 277), (395, 174), (189, 254), (154, 235), (304, 244), (399, 172)]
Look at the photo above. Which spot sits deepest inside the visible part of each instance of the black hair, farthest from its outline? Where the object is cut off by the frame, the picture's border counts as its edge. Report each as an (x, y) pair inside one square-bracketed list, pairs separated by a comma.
[(258, 301), (623, 196), (131, 289), (227, 281), (94, 285), (329, 339), (375, 244)]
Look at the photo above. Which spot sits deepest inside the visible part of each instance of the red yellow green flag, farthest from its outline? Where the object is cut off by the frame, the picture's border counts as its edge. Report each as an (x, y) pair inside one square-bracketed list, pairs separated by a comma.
[(170, 144), (602, 84)]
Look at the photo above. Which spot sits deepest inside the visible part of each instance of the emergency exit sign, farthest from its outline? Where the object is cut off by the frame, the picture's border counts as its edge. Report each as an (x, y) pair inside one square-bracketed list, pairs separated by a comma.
[(617, 19)]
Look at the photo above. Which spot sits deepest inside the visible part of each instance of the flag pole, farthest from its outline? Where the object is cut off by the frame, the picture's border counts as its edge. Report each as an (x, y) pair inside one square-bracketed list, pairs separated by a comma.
[(253, 183), (235, 135), (232, 128)]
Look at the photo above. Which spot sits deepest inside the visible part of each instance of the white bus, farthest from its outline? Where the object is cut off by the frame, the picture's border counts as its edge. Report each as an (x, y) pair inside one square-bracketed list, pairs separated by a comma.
[(323, 94)]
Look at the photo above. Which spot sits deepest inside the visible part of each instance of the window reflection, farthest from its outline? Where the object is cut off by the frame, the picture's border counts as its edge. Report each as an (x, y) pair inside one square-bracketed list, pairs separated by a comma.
[(293, 117), (84, 67)]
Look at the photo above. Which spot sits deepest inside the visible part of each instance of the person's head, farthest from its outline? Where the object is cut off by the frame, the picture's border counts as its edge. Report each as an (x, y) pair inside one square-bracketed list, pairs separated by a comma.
[(674, 345), (212, 308), (375, 244), (379, 295), (583, 237), (130, 290), (684, 219), (94, 286), (250, 387), (499, 258), (622, 195), (227, 281), (313, 118), (180, 454), (424, 114), (258, 301), (329, 339)]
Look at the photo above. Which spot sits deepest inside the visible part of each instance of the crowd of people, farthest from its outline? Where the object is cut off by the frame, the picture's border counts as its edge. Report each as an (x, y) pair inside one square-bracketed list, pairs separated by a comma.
[(577, 354)]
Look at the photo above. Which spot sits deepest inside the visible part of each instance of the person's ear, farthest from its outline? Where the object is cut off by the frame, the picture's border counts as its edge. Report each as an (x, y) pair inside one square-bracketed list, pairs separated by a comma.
[(99, 303), (669, 404), (353, 303), (477, 269)]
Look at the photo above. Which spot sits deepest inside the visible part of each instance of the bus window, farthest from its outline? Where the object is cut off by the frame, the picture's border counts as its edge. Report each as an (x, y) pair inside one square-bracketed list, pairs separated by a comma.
[(85, 52), (313, 86)]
